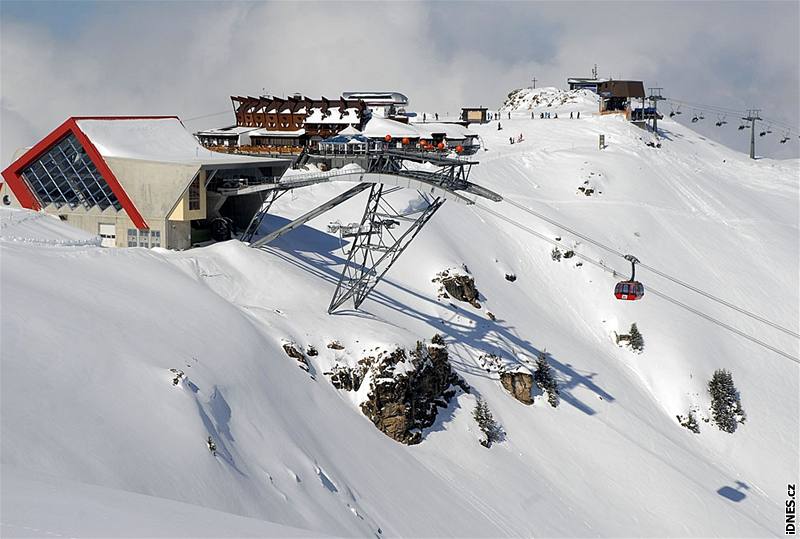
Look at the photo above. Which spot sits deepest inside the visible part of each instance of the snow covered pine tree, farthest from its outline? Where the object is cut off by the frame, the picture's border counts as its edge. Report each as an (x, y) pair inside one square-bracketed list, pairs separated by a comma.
[(726, 408), (545, 379), (636, 340), (487, 424)]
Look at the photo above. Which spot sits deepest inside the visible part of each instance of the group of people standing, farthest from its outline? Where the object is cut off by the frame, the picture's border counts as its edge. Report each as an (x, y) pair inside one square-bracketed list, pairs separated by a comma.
[(546, 115)]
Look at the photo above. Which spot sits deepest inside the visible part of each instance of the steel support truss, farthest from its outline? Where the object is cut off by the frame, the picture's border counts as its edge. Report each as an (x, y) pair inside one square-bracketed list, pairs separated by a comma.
[(267, 199), (376, 247)]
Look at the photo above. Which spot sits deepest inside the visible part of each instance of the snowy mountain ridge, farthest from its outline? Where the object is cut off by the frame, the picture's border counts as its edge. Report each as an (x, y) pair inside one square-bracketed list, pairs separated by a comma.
[(89, 336)]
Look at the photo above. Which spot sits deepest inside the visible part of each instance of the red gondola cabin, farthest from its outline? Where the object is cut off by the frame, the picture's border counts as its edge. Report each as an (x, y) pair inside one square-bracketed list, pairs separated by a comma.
[(629, 290)]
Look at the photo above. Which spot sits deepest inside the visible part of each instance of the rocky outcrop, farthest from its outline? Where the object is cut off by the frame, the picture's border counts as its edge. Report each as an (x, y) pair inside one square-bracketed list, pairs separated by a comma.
[(347, 378), (519, 384), (296, 354), (458, 285), (407, 389), (335, 345)]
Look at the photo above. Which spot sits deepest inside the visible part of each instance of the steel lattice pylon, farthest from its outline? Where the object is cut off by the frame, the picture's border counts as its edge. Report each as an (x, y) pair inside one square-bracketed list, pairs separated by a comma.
[(268, 198), (375, 248)]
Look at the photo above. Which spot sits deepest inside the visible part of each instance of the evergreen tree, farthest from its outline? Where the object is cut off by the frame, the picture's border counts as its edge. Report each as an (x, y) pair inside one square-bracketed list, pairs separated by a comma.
[(545, 379), (555, 254), (726, 408), (483, 416), (636, 339), (212, 446)]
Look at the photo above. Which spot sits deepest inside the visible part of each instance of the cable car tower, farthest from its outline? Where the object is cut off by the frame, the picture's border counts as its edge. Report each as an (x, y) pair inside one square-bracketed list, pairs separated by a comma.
[(654, 97), (752, 116), (383, 232)]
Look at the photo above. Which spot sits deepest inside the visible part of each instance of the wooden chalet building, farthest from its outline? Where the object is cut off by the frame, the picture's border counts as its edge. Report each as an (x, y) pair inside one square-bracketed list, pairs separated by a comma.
[(616, 96), (271, 124)]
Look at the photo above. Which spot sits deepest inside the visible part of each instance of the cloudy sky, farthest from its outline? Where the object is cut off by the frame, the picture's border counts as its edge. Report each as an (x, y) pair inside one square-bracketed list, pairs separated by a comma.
[(65, 59)]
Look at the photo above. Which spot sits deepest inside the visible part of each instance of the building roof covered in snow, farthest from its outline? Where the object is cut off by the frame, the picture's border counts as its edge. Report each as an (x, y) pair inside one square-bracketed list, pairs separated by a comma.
[(448, 130), (163, 140), (111, 175), (378, 127), (378, 98)]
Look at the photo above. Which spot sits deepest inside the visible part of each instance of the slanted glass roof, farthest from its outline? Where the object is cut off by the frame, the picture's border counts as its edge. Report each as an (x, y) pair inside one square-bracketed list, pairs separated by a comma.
[(65, 175)]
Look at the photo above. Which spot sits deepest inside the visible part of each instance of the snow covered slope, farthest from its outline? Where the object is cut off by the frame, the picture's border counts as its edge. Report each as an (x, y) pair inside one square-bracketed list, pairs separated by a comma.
[(89, 336)]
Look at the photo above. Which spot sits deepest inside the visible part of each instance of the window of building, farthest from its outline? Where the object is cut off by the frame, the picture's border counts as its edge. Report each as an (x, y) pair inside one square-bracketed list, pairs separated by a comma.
[(65, 175), (144, 238), (194, 194)]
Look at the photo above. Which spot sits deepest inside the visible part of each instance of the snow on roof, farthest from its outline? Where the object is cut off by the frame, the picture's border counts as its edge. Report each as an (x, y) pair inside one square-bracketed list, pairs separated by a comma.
[(349, 130), (222, 131), (162, 140), (450, 131), (378, 127), (350, 117), (276, 133)]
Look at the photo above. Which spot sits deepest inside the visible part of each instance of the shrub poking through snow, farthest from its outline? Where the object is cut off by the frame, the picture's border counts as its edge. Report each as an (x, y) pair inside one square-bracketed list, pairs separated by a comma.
[(636, 340), (212, 446), (555, 254), (726, 408), (546, 380), (489, 427), (689, 421)]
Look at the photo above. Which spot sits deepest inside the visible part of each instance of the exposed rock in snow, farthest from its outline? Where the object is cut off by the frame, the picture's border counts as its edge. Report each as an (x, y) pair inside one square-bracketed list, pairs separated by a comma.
[(519, 384), (460, 285), (406, 389), (335, 345), (292, 351)]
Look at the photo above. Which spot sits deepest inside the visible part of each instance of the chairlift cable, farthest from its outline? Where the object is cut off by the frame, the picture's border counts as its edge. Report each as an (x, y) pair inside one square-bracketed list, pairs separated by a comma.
[(207, 116)]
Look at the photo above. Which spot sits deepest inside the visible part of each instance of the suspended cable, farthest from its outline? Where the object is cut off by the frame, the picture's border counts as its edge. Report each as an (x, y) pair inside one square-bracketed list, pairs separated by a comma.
[(721, 301), (207, 116), (654, 270), (739, 332), (714, 108), (662, 295)]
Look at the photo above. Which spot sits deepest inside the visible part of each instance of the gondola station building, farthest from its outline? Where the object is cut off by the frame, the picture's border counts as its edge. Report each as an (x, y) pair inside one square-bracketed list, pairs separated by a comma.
[(138, 181)]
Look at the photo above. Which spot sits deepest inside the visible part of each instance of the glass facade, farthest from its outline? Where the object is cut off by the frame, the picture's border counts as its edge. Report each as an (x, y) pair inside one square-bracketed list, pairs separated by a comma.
[(65, 175)]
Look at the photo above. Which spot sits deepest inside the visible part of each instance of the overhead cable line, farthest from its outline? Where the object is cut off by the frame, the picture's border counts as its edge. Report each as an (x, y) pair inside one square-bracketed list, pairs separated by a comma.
[(207, 115), (654, 270), (662, 295), (725, 110)]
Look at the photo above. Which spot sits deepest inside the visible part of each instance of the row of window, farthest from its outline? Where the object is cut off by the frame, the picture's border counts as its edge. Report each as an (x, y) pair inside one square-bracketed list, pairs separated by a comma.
[(65, 175), (144, 238)]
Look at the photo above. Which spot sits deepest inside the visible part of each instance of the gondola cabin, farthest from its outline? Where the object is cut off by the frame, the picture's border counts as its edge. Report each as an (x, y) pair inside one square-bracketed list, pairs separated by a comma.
[(629, 290)]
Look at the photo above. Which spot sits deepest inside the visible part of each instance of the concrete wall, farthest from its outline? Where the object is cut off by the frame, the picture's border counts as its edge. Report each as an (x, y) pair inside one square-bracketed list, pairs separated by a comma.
[(182, 211), (153, 187)]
